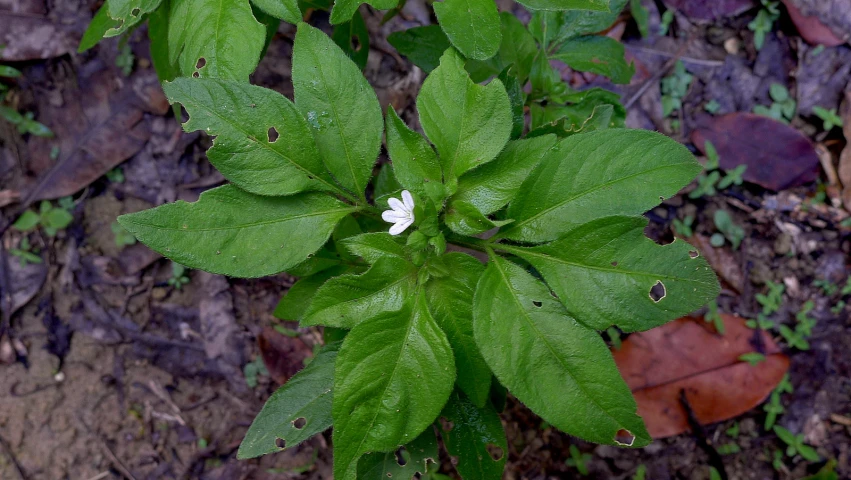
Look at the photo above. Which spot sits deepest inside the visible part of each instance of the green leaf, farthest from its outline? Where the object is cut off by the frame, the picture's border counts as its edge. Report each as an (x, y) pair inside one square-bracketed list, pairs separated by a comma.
[(298, 410), (450, 301), (232, 232), (597, 174), (597, 5), (517, 97), (464, 219), (349, 300), (293, 305), (27, 221), (518, 46), (128, 13), (600, 119), (576, 23), (642, 17), (637, 284), (100, 24), (474, 435), (262, 143), (595, 54), (344, 9), (468, 123), (353, 38), (10, 72), (415, 458), (558, 367), (340, 106), (215, 38), (167, 70), (393, 376), (57, 218), (422, 45), (374, 246), (491, 186), (473, 26), (286, 10), (414, 161)]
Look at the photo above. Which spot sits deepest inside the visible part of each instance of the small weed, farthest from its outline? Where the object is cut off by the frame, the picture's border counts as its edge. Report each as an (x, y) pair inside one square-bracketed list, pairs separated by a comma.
[(773, 408), (712, 106), (761, 322), (829, 117), (121, 235), (764, 22), (665, 24), (753, 358), (734, 431), (846, 290), (578, 460), (125, 60), (783, 107), (733, 177), (178, 276), (713, 316), (714, 474), (24, 253), (777, 460), (25, 123), (253, 370), (706, 185), (51, 219), (674, 89), (729, 449), (795, 445), (116, 175), (640, 472), (829, 288), (772, 300), (683, 227), (731, 231)]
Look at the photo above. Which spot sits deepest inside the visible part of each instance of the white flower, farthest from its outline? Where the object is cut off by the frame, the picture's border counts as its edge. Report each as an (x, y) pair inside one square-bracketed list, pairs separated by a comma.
[(402, 213)]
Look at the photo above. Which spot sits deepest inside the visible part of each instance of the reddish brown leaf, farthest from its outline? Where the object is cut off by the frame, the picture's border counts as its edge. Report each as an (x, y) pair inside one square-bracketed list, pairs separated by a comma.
[(283, 355), (832, 14), (778, 156), (722, 261), (811, 28), (844, 169), (685, 355), (710, 10)]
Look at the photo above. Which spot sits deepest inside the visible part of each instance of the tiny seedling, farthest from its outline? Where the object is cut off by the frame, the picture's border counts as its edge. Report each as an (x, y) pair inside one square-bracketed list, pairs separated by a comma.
[(773, 299), (706, 185), (714, 474), (795, 445), (253, 370), (9, 72), (838, 308), (761, 322), (178, 276), (125, 60), (642, 17), (731, 231), (51, 219), (773, 409), (640, 472), (674, 88), (683, 227), (665, 24), (846, 289), (712, 158), (783, 107), (578, 460), (116, 175), (24, 123), (121, 236), (733, 177), (829, 288), (728, 448), (777, 461), (794, 338), (614, 337), (24, 253), (764, 22), (712, 106), (829, 117), (753, 358), (714, 317), (733, 431)]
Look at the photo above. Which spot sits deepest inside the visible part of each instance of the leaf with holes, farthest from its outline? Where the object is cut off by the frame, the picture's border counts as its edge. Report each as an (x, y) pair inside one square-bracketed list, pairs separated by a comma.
[(233, 232), (344, 9), (340, 106), (491, 186), (594, 175), (468, 123), (474, 435), (97, 29), (298, 410), (262, 143), (393, 376), (128, 13), (405, 462), (558, 367), (353, 38), (636, 284), (414, 161), (600, 55), (348, 300), (215, 38), (450, 301), (473, 26), (286, 10)]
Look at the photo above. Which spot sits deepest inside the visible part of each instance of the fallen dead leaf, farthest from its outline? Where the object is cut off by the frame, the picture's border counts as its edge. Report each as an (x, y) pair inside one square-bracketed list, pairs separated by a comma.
[(8, 196), (30, 32), (283, 355), (25, 280), (811, 28), (832, 15), (686, 356), (778, 156), (722, 261), (844, 170), (703, 10)]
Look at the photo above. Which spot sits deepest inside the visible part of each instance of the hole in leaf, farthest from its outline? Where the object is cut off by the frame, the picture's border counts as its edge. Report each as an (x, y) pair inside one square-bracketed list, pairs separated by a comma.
[(280, 443), (624, 437), (356, 45), (496, 452), (537, 303), (693, 253), (614, 264), (299, 423), (657, 291), (135, 12), (272, 134), (200, 63), (446, 425), (196, 75), (402, 456)]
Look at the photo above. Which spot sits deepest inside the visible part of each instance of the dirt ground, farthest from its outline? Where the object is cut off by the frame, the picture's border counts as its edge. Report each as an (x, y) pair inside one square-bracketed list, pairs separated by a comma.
[(108, 371)]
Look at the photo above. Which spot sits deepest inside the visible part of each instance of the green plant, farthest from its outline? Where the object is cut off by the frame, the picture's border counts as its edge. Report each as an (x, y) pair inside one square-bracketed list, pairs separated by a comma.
[(125, 60), (50, 218), (829, 117), (829, 288), (116, 175), (773, 299), (733, 177), (795, 444), (734, 430), (683, 227), (578, 460), (783, 107), (666, 21), (846, 289), (764, 22), (24, 253), (729, 230), (674, 88), (121, 236), (425, 331), (706, 185), (24, 123), (640, 472), (712, 315), (753, 358), (712, 106), (253, 370), (641, 16), (178, 276), (714, 474), (728, 448), (774, 407)]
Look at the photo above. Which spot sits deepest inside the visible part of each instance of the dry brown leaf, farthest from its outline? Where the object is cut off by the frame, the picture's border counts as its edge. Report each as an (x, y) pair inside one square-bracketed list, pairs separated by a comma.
[(833, 15), (686, 356), (722, 261), (283, 355), (844, 169), (811, 28), (29, 33)]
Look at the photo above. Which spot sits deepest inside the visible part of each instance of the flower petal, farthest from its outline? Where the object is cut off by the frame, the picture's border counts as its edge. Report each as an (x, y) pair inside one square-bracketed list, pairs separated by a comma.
[(396, 204), (400, 227), (393, 216), (408, 199)]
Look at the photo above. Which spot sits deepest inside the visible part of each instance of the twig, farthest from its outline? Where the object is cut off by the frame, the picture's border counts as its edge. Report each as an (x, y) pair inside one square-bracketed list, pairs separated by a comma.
[(659, 74), (696, 61), (118, 464), (8, 450)]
